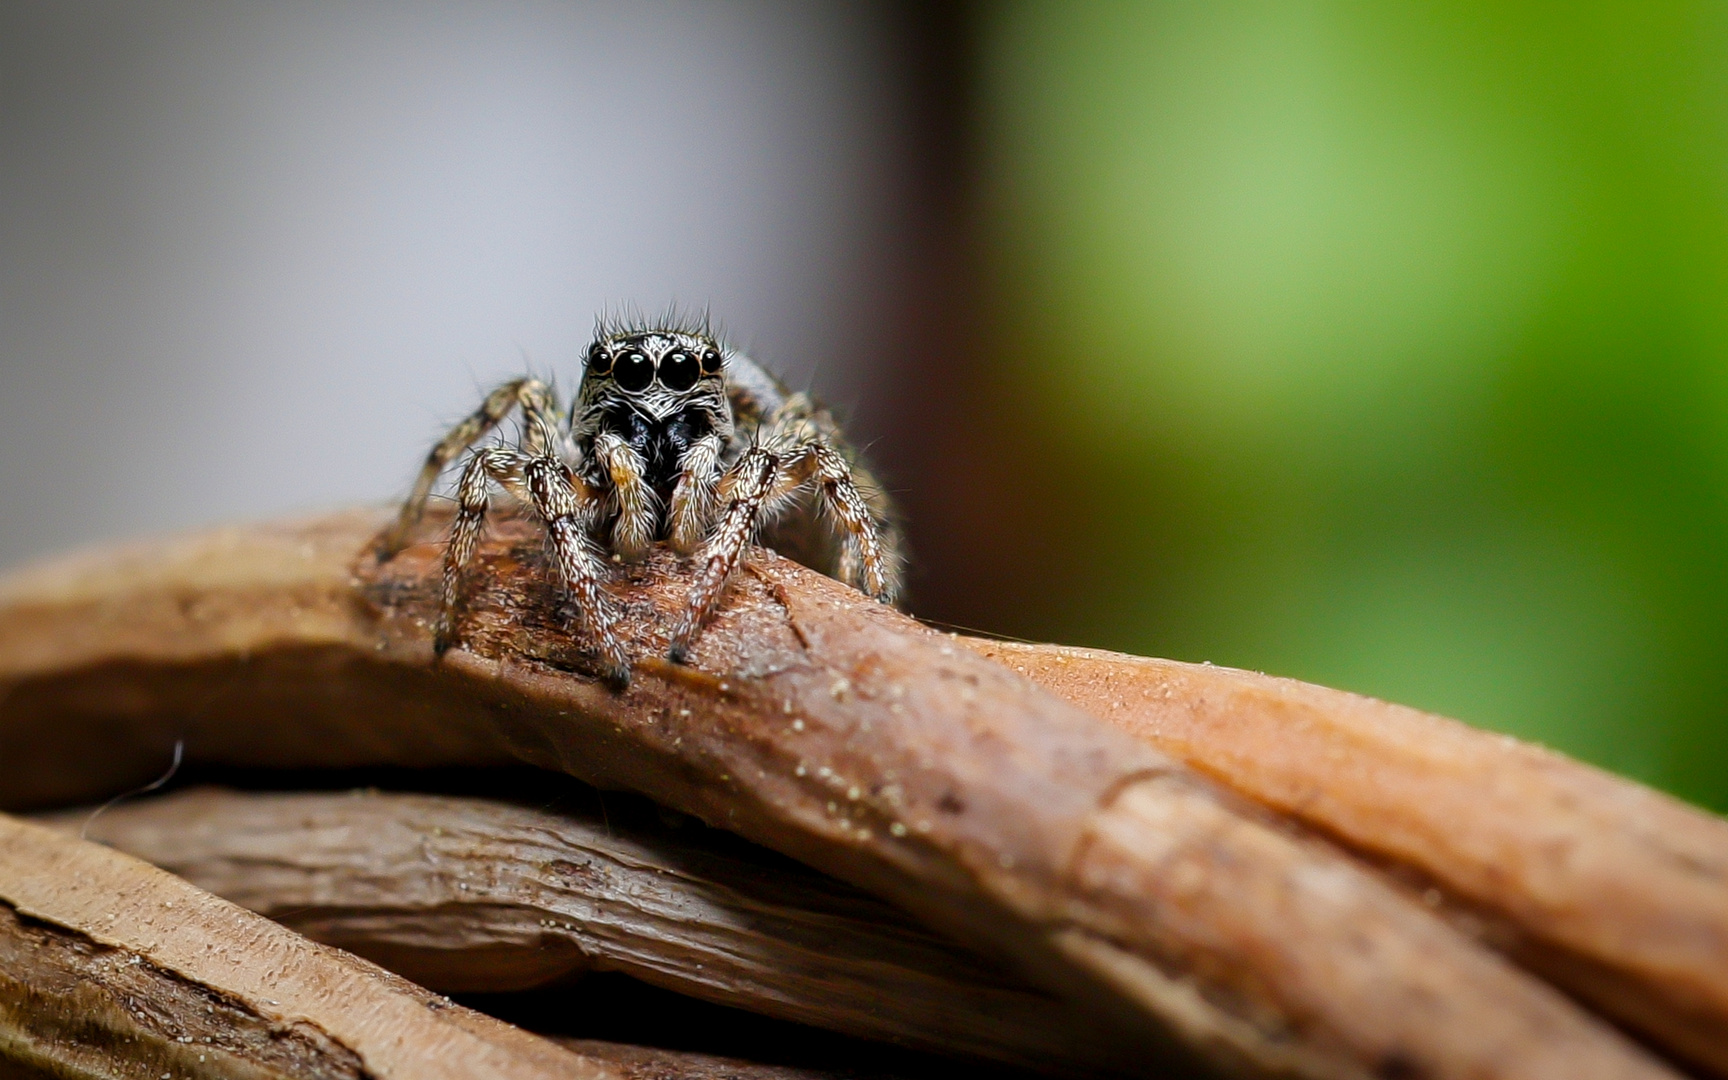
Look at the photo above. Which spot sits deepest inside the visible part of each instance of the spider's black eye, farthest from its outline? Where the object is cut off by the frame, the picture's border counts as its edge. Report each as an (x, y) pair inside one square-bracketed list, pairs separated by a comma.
[(710, 362), (599, 360), (679, 370), (633, 371)]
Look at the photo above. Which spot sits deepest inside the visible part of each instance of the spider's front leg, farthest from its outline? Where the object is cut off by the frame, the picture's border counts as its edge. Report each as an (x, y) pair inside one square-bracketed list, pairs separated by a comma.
[(755, 488), (566, 506), (744, 491)]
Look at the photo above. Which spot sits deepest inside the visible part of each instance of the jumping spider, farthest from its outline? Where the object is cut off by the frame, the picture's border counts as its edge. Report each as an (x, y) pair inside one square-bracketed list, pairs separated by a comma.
[(672, 437)]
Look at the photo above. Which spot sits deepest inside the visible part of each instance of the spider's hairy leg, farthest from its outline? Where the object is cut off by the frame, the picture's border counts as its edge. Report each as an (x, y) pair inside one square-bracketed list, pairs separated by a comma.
[(567, 506), (637, 509), (744, 491), (870, 562), (496, 464), (538, 406), (888, 542), (870, 559), (693, 498)]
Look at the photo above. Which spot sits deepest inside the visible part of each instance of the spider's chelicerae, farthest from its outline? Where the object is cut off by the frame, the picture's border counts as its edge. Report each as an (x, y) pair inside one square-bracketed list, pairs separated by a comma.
[(672, 437)]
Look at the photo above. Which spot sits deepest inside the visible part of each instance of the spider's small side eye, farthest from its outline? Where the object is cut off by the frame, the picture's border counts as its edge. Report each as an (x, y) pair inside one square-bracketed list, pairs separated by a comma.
[(599, 360), (679, 370), (710, 362), (633, 371)]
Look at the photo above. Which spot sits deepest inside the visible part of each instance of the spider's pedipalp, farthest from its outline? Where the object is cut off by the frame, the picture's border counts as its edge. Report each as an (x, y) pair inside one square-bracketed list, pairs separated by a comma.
[(638, 505), (693, 499)]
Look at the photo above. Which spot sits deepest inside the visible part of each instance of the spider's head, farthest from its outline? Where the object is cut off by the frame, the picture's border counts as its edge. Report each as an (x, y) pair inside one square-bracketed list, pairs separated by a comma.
[(654, 363)]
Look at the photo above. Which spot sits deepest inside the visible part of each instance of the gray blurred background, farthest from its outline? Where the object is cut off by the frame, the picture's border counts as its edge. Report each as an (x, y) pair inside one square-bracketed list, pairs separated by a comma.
[(254, 257)]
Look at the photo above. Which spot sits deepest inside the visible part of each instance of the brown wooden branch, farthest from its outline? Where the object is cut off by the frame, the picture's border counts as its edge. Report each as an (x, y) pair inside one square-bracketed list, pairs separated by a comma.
[(814, 722), (475, 895), (1614, 891), (112, 968)]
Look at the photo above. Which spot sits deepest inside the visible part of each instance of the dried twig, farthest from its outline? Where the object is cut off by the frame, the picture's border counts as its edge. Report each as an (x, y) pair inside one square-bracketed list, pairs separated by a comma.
[(112, 968), (818, 724), (475, 895), (1616, 892)]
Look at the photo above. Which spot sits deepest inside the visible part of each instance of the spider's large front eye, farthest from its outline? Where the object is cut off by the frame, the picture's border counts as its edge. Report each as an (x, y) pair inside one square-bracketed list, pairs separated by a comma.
[(599, 360), (679, 370), (633, 371), (710, 362)]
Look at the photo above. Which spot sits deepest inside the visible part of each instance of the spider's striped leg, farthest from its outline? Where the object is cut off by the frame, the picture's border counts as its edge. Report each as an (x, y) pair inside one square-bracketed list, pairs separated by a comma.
[(745, 490), (566, 506), (870, 561), (538, 407), (495, 464)]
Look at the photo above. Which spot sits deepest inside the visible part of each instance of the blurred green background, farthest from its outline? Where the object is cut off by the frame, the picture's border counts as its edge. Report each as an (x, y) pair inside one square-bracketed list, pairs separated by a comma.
[(1380, 345)]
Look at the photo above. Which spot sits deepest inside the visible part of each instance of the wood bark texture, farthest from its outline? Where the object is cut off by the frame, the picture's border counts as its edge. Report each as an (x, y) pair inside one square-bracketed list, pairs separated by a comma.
[(812, 721), (472, 895), (110, 968), (1614, 891), (652, 1063)]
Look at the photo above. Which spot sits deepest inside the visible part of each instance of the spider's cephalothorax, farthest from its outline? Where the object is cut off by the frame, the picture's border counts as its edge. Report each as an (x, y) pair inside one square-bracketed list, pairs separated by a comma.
[(672, 438)]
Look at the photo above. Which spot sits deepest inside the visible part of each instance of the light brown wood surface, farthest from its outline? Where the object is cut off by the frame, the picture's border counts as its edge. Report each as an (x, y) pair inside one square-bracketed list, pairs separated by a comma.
[(814, 722), (112, 968)]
